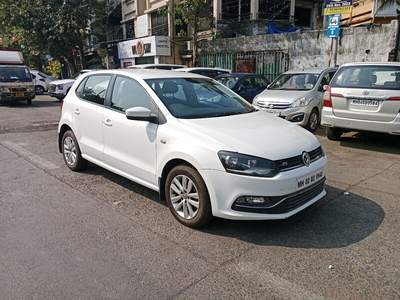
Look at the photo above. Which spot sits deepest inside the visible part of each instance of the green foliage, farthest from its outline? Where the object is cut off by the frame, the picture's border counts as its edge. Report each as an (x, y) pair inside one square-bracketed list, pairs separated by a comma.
[(54, 68), (49, 26)]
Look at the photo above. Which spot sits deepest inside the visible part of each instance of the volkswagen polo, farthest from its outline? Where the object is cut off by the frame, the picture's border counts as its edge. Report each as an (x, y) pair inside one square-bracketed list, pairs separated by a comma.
[(207, 151)]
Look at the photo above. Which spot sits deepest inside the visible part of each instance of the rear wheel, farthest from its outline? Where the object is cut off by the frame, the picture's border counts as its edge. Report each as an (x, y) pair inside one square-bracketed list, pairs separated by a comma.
[(72, 153), (333, 133), (313, 120), (39, 90), (187, 196)]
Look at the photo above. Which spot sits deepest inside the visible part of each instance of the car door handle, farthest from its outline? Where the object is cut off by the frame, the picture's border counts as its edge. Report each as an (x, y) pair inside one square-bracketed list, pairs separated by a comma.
[(77, 111), (107, 122)]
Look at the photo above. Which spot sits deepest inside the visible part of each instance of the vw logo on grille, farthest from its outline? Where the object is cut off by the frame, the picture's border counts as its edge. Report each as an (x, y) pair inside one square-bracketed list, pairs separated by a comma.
[(365, 92), (271, 106), (306, 158)]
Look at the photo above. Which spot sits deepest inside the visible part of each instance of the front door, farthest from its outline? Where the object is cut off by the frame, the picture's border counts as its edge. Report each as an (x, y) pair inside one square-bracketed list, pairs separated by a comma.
[(130, 145)]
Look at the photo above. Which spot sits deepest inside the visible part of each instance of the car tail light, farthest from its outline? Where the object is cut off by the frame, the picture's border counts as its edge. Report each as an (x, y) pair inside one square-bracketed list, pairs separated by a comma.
[(327, 97), (394, 98)]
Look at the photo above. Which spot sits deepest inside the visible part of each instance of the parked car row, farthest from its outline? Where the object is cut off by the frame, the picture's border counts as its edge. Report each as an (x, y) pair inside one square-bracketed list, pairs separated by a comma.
[(207, 150)]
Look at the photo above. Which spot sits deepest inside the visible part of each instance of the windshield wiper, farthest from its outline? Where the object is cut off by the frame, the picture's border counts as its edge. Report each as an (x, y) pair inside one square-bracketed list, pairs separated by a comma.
[(230, 113)]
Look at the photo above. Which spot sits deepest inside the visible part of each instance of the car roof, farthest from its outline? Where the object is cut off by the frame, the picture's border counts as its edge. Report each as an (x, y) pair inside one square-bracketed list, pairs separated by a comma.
[(202, 68), (149, 73), (239, 75), (313, 70), (392, 63), (143, 66)]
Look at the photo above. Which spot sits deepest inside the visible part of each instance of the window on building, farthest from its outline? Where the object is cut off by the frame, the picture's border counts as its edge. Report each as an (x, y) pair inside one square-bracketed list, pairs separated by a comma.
[(130, 29), (235, 10), (277, 10), (159, 24)]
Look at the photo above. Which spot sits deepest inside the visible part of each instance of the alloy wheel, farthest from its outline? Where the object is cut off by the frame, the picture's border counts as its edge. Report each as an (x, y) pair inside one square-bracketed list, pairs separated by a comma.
[(184, 197)]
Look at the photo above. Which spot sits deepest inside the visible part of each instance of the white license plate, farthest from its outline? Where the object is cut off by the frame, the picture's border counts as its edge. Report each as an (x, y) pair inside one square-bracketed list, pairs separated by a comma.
[(273, 111), (360, 102), (309, 179)]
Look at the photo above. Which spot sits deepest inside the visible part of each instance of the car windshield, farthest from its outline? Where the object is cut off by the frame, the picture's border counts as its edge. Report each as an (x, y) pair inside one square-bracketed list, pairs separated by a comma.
[(294, 82), (372, 76), (12, 74), (228, 81), (190, 98)]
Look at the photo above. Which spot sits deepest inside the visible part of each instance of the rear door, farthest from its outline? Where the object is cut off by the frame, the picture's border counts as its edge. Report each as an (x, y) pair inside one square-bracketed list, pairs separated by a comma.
[(367, 92)]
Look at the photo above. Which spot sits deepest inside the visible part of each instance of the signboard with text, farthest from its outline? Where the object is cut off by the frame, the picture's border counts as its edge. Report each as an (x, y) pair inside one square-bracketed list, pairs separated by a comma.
[(333, 7), (333, 26), (148, 46)]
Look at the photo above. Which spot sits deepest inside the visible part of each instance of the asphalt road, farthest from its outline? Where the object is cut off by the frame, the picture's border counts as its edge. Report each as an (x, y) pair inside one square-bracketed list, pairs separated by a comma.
[(95, 235)]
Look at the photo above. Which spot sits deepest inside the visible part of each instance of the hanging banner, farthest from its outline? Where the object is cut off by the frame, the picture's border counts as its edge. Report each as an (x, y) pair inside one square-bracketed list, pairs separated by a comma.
[(333, 7)]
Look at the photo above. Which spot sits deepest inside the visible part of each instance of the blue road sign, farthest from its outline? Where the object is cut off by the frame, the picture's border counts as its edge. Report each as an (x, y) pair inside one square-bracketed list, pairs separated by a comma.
[(333, 26)]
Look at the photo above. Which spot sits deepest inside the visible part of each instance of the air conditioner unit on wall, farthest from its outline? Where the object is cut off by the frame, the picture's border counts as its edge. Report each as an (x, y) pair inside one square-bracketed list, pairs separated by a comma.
[(188, 45)]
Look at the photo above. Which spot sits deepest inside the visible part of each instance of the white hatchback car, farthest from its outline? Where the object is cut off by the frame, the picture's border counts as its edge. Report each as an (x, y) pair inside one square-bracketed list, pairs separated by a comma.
[(205, 149), (363, 97), (296, 96)]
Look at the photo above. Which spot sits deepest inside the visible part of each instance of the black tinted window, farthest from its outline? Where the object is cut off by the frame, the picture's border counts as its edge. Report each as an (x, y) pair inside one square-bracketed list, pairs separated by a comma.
[(95, 88)]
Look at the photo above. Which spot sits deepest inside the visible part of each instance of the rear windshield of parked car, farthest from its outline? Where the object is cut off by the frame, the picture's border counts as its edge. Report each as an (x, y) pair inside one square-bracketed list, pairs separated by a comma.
[(368, 76)]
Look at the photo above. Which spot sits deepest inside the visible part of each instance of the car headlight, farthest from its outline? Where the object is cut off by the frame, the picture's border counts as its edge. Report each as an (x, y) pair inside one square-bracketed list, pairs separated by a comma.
[(303, 101), (255, 100), (60, 86), (247, 165)]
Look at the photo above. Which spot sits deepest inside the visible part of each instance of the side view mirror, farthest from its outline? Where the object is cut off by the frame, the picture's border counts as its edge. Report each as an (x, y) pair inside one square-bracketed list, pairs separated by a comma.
[(141, 114)]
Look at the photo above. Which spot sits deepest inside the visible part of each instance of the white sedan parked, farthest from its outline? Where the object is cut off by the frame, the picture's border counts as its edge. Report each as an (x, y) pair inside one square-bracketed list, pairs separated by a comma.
[(206, 150)]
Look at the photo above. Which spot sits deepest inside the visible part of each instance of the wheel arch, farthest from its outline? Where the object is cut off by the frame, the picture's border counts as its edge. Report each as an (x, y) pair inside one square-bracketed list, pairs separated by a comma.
[(64, 128), (167, 168)]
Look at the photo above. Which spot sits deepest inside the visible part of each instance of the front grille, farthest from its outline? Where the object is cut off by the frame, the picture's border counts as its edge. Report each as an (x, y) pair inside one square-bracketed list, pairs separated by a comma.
[(18, 89), (52, 88), (297, 161), (283, 204), (273, 105)]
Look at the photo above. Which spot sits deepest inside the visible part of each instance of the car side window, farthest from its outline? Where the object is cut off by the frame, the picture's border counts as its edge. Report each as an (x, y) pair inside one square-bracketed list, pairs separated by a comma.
[(129, 93), (247, 83), (260, 81), (94, 88)]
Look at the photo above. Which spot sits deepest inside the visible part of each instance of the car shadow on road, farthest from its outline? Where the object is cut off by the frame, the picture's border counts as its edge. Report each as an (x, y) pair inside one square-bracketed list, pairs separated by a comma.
[(338, 220), (35, 104), (371, 141)]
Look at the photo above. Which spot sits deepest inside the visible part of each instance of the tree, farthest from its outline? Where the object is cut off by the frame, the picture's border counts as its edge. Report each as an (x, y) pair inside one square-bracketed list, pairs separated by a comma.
[(192, 13), (52, 27)]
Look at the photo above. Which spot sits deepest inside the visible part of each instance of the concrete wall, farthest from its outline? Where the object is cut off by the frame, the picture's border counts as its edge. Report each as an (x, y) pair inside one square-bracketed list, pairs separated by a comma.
[(313, 48)]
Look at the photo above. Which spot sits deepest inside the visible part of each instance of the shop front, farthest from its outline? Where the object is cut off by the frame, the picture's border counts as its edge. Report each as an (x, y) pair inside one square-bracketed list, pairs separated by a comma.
[(147, 50)]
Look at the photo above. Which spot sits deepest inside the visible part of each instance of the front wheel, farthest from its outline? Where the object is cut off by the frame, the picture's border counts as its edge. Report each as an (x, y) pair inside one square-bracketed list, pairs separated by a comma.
[(333, 133), (313, 120), (29, 101), (72, 153), (187, 197)]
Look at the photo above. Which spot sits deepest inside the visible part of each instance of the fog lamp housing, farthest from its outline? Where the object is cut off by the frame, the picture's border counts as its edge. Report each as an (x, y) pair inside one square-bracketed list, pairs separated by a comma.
[(252, 200), (297, 118)]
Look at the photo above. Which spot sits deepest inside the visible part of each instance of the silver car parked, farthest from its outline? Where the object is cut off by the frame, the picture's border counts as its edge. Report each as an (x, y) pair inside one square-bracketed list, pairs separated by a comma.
[(296, 96), (363, 97)]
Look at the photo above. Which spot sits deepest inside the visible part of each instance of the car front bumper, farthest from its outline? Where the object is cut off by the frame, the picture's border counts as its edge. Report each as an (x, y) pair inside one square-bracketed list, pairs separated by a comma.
[(283, 190)]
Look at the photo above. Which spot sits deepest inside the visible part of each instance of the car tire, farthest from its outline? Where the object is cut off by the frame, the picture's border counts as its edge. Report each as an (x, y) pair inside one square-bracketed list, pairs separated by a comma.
[(39, 90), (72, 153), (313, 120), (187, 196), (29, 101), (333, 133)]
